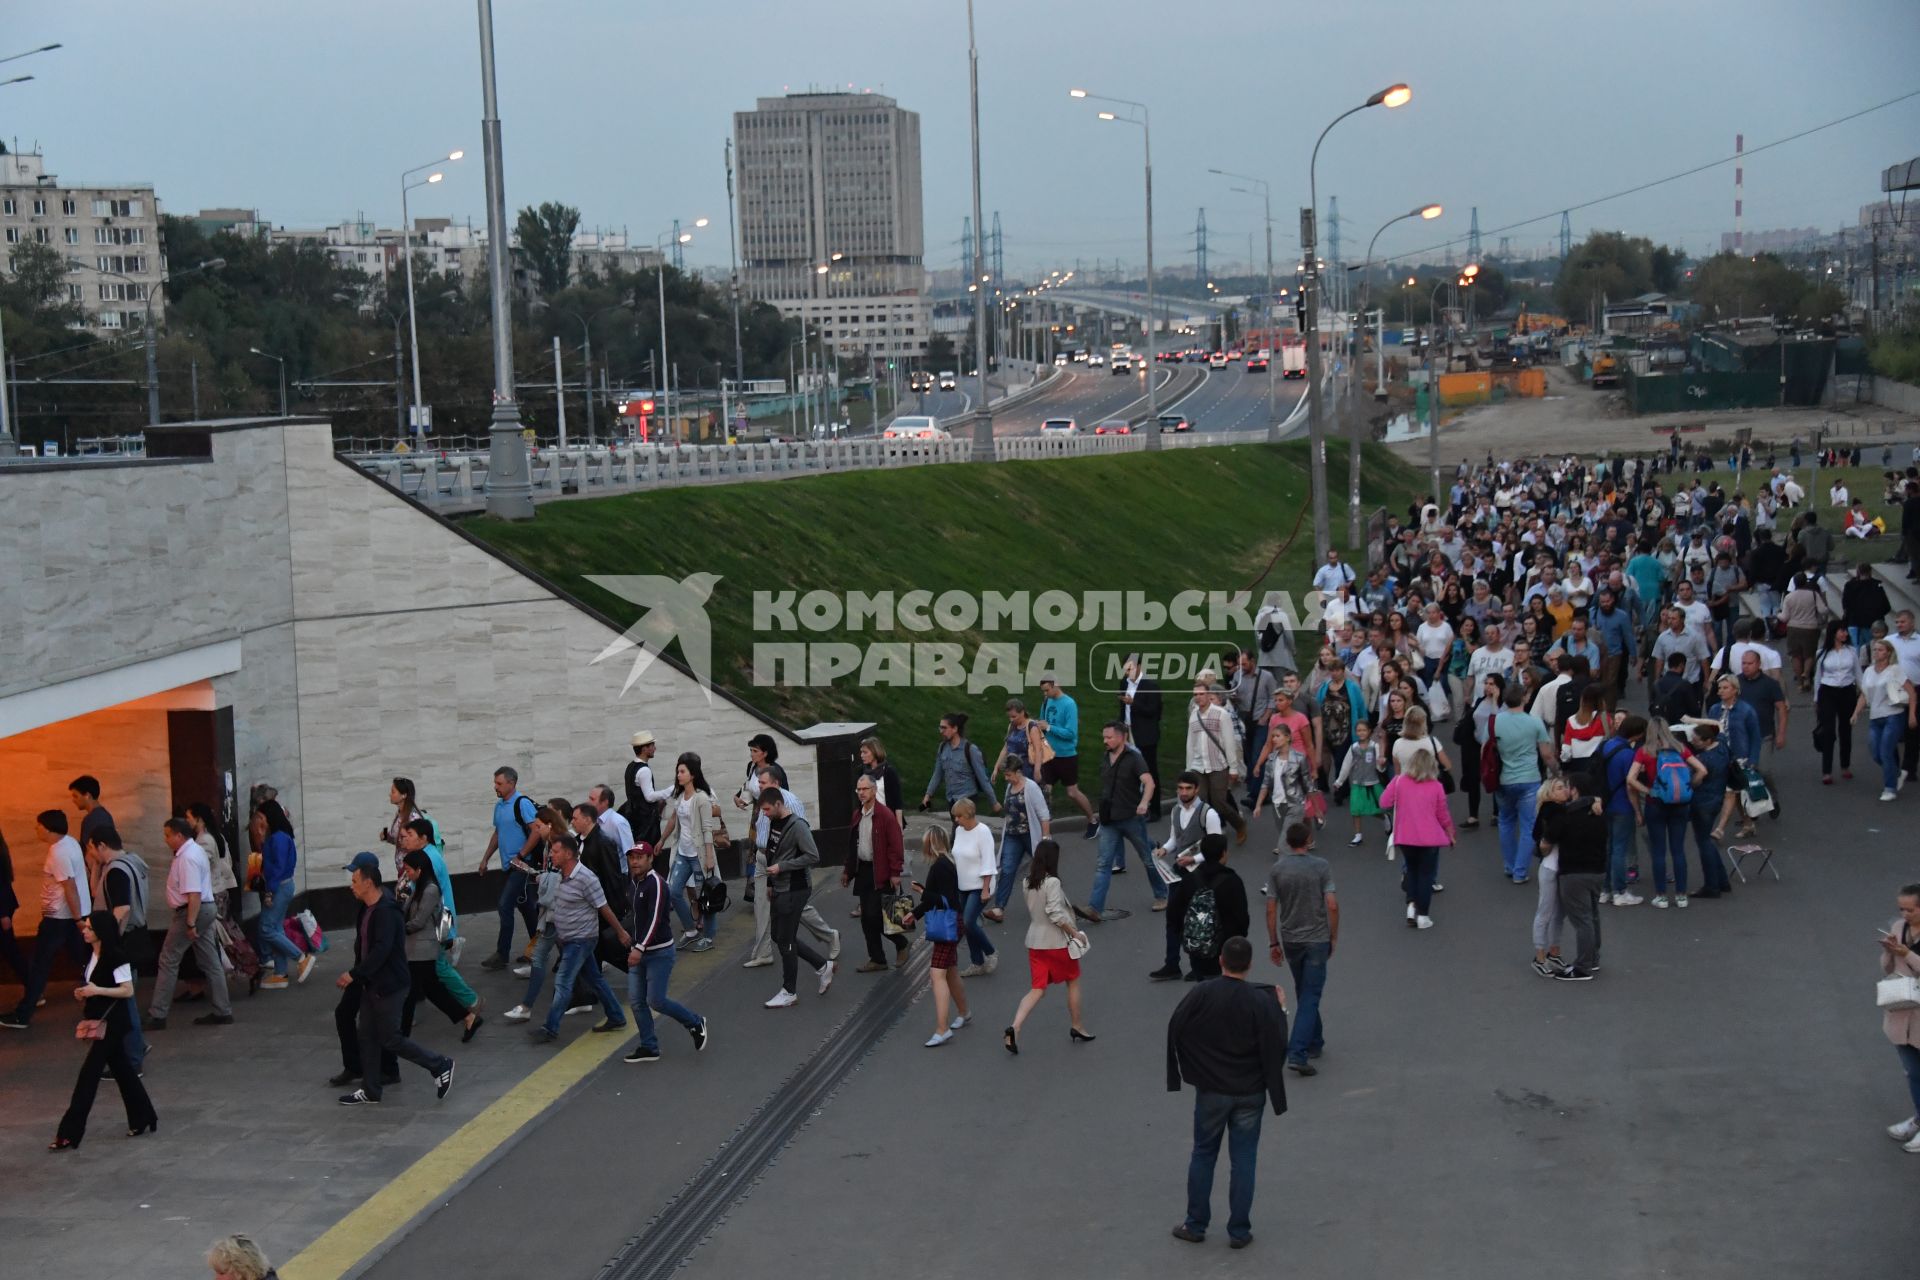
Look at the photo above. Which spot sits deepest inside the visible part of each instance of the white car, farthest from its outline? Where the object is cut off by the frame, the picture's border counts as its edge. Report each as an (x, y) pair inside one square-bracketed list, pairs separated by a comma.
[(1059, 427), (915, 427), (1122, 364), (1060, 360), (947, 380), (1096, 360), (1218, 360)]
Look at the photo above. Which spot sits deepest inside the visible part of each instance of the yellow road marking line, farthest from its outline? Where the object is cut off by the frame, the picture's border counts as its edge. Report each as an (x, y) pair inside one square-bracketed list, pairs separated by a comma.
[(354, 1238)]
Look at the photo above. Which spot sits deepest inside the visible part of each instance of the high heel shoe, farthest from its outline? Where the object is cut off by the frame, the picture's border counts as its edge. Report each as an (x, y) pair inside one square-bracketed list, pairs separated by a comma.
[(151, 1126), (61, 1144), (1011, 1041), (1079, 1036)]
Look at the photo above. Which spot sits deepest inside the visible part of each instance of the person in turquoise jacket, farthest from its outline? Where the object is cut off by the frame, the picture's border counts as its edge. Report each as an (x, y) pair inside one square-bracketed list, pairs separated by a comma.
[(1061, 715)]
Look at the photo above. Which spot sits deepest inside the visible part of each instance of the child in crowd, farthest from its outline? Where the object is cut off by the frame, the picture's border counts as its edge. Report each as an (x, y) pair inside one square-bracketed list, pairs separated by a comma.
[(1360, 774)]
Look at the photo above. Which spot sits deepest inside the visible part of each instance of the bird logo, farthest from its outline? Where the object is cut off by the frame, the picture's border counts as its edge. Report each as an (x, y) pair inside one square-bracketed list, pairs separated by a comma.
[(674, 609)]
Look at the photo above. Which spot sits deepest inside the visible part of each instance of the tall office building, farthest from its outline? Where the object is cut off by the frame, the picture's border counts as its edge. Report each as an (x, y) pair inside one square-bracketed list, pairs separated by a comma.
[(832, 180)]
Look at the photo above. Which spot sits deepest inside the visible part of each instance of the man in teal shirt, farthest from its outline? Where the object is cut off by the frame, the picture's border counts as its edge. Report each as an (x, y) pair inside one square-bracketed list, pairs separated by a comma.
[(1649, 576), (1061, 715), (1525, 745)]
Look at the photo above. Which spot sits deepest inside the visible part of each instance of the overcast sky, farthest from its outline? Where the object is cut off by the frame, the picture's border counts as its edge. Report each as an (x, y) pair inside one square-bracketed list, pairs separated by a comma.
[(309, 112)]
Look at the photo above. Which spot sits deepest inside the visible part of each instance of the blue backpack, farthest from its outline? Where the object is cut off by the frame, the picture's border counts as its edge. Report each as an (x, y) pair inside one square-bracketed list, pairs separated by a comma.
[(1672, 778)]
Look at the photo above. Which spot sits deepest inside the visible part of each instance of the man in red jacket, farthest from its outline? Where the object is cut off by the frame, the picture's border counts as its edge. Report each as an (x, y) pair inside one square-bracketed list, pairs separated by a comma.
[(876, 860)]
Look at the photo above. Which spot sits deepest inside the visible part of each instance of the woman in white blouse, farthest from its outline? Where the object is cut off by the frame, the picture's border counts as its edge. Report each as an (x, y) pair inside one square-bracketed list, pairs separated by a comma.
[(106, 985), (1836, 688)]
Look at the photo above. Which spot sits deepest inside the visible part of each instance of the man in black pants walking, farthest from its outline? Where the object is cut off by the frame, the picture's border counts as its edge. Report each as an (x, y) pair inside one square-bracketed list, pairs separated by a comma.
[(1579, 829), (380, 972), (790, 851)]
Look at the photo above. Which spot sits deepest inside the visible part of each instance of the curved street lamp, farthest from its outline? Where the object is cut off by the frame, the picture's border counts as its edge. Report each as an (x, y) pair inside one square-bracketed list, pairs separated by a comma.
[(1428, 212), (418, 414), (1145, 121)]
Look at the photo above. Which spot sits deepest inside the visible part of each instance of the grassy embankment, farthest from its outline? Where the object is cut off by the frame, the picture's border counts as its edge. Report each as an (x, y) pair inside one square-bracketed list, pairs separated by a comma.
[(1157, 523)]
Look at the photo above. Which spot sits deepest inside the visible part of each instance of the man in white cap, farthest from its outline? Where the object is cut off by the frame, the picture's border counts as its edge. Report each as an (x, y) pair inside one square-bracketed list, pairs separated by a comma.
[(644, 802)]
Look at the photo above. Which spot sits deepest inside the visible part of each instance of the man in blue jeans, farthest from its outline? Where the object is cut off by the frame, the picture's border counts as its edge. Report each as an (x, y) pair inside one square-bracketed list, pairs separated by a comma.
[(513, 838), (1615, 761), (579, 907), (1227, 1039), (1303, 923), (650, 958), (1126, 791), (1525, 746)]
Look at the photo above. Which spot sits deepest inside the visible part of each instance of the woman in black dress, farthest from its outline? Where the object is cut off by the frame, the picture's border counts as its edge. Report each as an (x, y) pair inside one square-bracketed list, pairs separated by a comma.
[(106, 986)]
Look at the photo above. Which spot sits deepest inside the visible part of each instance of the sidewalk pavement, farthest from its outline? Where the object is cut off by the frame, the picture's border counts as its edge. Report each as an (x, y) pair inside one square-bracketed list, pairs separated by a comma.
[(251, 1136)]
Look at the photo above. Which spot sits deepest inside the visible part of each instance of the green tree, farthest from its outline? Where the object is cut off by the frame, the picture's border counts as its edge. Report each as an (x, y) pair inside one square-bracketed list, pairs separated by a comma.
[(940, 352), (1728, 285), (1611, 266), (546, 243)]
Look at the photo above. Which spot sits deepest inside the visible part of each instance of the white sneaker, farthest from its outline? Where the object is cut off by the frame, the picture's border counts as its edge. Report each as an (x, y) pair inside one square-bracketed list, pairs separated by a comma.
[(782, 1000), (973, 971), (833, 948), (1906, 1131), (1912, 1148), (959, 1021), (519, 1013), (1679, 899), (755, 964), (826, 976), (1357, 839), (993, 962), (1888, 795), (1423, 922), (1627, 899), (1412, 911), (1391, 855), (1438, 887), (523, 971), (1660, 900), (936, 1041), (1606, 897)]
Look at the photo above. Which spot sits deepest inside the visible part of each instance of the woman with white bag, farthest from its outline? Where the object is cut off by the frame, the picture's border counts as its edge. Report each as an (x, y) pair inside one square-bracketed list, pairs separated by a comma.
[(1900, 1000)]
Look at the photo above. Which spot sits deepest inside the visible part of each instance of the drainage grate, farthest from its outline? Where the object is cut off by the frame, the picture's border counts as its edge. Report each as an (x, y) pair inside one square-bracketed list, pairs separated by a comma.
[(670, 1239)]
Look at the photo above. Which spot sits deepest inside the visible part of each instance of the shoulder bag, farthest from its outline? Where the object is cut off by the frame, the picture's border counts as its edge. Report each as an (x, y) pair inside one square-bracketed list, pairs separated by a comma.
[(1079, 944), (1894, 994), (943, 925)]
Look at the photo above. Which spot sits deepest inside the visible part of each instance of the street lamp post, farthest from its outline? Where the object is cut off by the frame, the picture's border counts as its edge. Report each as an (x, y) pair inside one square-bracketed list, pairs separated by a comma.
[(1392, 96), (1145, 121), (1266, 196), (509, 473), (151, 342), (1433, 378), (660, 282), (418, 415), (983, 415), (1429, 212), (281, 361)]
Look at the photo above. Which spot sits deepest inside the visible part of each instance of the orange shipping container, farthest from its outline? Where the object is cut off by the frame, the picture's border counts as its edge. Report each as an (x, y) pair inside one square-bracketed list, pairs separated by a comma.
[(1465, 388)]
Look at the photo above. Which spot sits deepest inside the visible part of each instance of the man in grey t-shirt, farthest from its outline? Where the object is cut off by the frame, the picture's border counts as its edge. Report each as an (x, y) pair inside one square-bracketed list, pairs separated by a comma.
[(1303, 923)]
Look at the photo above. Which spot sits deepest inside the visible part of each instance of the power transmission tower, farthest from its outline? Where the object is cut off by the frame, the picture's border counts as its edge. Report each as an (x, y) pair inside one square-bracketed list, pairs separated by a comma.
[(1200, 249), (1506, 243), (999, 259), (679, 260), (966, 246), (1566, 236), (1473, 236)]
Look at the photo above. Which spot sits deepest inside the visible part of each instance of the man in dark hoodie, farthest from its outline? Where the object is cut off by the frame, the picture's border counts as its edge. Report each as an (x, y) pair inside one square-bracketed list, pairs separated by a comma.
[(1209, 921), (380, 968), (1578, 827)]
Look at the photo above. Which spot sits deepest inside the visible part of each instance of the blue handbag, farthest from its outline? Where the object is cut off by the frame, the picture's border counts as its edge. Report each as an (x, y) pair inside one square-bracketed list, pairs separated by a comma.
[(943, 925)]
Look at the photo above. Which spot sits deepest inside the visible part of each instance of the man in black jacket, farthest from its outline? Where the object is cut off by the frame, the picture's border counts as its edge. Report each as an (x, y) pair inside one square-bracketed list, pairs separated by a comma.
[(1228, 1039), (600, 854), (1230, 914), (1140, 709), (380, 970), (1578, 828)]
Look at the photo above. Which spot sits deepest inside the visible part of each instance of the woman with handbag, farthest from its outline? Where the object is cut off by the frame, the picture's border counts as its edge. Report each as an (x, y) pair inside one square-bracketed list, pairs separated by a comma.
[(1421, 828), (693, 829), (1054, 945), (420, 905), (1886, 695), (105, 1022), (1900, 958), (940, 902)]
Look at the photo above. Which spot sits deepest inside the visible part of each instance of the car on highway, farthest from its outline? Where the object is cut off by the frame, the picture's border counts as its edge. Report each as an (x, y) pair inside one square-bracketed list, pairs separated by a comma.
[(1257, 362), (915, 427), (1080, 357), (1060, 361), (1095, 360), (1175, 422), (1121, 364), (919, 380), (1196, 356), (1059, 427), (1235, 353), (1218, 360), (947, 380), (1113, 427)]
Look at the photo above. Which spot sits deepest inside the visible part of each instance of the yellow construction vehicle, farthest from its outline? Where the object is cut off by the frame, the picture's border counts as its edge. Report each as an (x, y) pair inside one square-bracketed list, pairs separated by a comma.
[(1606, 370)]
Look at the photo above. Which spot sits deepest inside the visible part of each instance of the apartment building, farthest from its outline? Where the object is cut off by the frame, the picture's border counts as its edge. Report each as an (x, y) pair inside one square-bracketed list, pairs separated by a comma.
[(831, 224), (108, 232)]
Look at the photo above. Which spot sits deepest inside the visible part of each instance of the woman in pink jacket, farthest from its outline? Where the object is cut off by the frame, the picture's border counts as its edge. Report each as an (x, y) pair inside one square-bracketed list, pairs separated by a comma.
[(1421, 828), (1900, 954)]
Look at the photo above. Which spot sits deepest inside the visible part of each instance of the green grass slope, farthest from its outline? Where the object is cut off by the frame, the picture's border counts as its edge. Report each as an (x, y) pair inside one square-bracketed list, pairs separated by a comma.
[(1157, 523)]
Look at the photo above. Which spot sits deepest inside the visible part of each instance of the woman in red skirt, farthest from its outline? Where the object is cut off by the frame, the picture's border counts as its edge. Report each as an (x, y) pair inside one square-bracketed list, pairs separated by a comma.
[(1052, 943), (941, 892)]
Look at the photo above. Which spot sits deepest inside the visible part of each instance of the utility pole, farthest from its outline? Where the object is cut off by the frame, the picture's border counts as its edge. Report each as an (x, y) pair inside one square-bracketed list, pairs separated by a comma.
[(733, 285), (509, 474), (559, 392), (399, 390), (1316, 428), (983, 413)]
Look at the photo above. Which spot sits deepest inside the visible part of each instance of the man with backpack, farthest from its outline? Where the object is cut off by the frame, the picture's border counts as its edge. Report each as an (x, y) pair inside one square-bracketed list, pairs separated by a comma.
[(1303, 924), (1193, 820), (1213, 908), (514, 840)]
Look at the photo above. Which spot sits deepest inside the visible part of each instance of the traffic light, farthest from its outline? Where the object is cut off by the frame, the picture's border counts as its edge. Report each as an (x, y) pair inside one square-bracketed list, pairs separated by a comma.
[(1300, 310)]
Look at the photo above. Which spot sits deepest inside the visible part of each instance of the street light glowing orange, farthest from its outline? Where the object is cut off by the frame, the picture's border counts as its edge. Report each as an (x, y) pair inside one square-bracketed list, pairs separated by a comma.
[(1431, 212), (1398, 96)]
